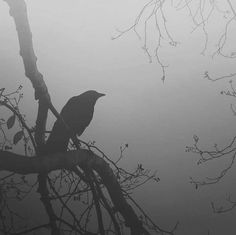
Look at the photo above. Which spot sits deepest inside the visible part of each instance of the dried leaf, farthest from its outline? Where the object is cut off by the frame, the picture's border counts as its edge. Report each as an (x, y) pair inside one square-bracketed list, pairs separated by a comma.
[(17, 137), (11, 121)]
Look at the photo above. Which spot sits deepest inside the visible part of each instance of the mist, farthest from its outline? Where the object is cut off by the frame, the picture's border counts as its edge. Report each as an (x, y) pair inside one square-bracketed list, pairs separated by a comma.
[(72, 40)]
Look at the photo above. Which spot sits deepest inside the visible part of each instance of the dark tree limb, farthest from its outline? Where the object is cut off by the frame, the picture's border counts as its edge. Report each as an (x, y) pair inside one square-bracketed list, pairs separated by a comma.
[(43, 190), (33, 165), (108, 207), (83, 158), (19, 13), (96, 202), (44, 164)]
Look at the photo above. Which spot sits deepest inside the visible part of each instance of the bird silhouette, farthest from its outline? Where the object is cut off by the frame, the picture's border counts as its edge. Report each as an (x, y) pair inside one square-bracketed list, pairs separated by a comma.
[(77, 113)]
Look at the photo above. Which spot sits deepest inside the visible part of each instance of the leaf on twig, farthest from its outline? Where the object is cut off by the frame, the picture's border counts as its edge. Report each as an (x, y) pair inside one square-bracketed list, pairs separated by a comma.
[(196, 138), (17, 137), (11, 121), (1, 91)]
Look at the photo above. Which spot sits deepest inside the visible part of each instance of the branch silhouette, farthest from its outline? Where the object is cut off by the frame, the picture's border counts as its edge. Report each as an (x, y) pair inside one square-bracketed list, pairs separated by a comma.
[(88, 177)]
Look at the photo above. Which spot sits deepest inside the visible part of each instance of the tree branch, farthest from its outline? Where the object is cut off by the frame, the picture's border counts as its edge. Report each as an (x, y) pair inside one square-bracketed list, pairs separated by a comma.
[(84, 158)]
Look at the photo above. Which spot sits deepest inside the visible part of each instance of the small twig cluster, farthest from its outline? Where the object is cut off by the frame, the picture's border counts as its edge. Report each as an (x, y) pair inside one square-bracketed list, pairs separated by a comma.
[(216, 153), (11, 102), (153, 10), (228, 151), (200, 12)]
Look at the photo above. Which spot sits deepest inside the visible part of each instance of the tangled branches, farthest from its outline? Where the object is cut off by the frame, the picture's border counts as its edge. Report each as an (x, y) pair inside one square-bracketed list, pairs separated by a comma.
[(82, 195), (152, 11), (201, 13)]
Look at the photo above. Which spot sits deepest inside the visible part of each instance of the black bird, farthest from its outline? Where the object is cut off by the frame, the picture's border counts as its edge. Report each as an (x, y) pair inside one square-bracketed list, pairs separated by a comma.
[(77, 113)]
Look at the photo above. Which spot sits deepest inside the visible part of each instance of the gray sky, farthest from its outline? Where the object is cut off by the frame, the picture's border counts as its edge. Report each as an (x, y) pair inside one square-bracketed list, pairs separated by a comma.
[(72, 40)]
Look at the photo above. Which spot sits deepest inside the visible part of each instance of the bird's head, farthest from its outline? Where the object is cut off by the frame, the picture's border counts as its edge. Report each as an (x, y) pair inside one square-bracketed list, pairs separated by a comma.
[(92, 95)]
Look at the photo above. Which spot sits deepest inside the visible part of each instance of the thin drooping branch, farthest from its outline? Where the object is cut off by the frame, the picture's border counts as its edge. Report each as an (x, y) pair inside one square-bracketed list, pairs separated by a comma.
[(153, 10)]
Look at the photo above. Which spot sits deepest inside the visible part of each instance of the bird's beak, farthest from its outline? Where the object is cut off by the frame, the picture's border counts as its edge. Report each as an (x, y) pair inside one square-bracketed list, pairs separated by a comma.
[(101, 94)]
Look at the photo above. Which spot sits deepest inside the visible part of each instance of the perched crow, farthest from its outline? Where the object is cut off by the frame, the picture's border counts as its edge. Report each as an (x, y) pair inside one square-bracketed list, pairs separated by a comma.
[(77, 113)]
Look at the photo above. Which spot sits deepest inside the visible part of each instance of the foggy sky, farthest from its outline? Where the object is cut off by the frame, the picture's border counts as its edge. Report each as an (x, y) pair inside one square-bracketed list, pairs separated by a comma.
[(72, 40)]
